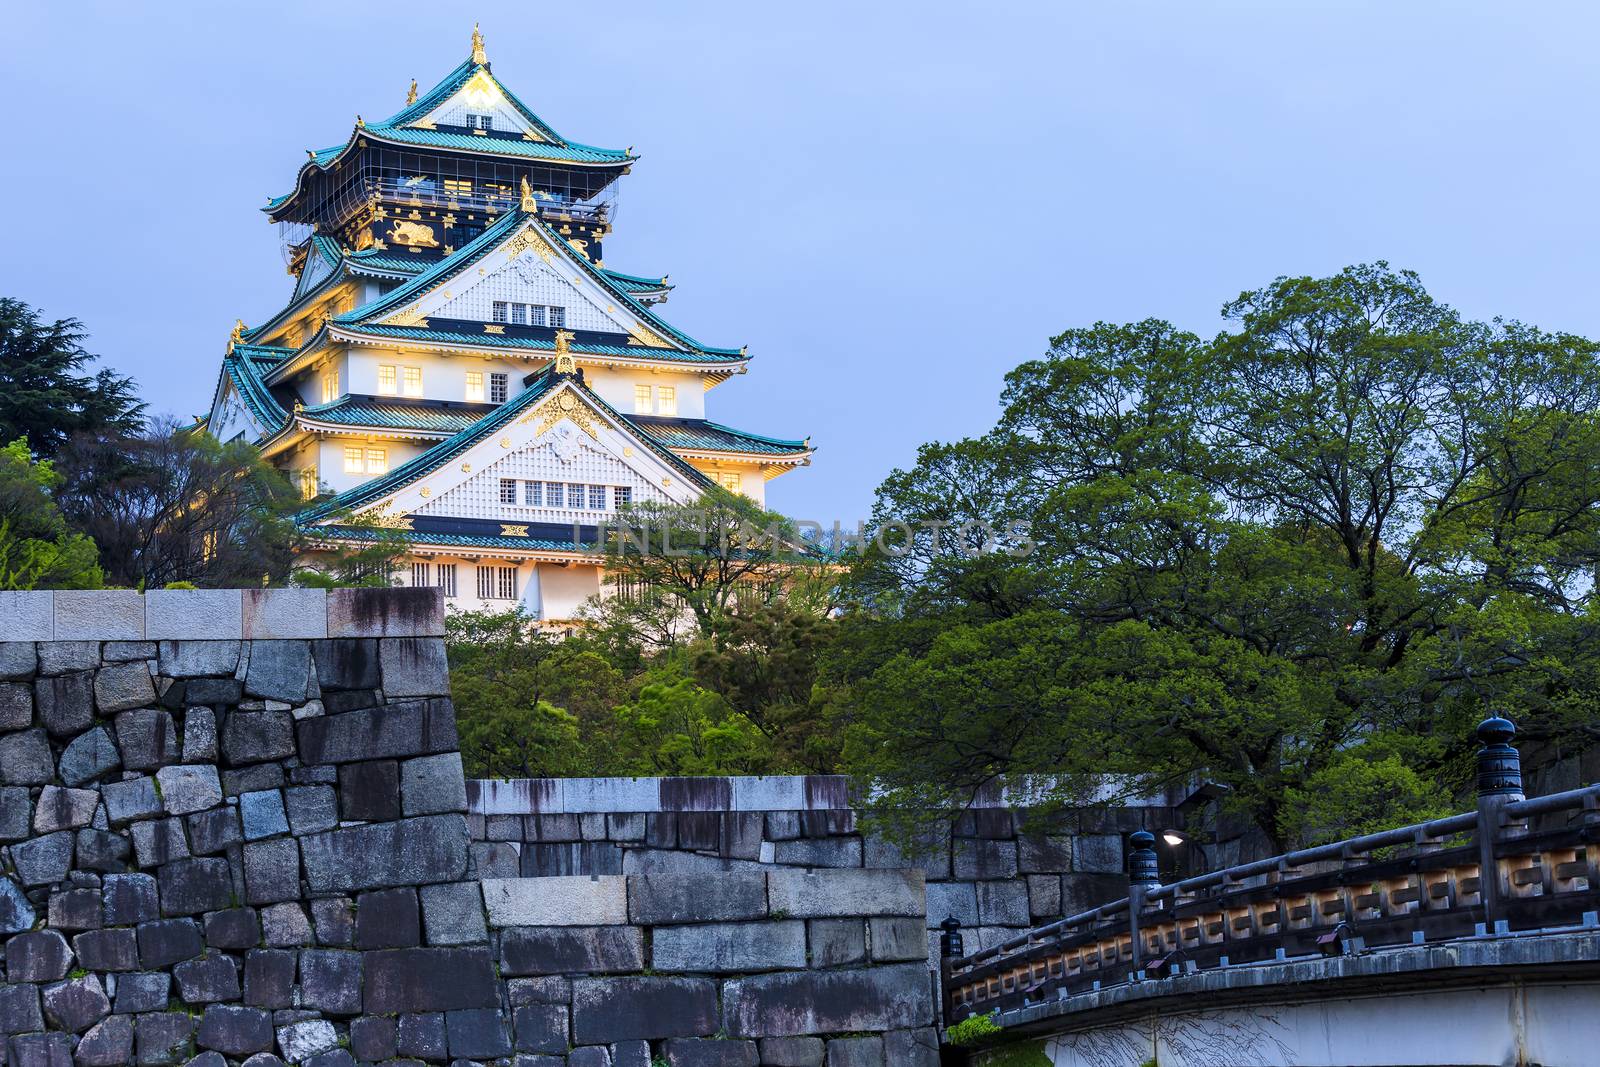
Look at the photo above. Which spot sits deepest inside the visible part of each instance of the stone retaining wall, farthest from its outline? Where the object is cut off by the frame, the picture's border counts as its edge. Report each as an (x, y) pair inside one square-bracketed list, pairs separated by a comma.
[(997, 870), (234, 829)]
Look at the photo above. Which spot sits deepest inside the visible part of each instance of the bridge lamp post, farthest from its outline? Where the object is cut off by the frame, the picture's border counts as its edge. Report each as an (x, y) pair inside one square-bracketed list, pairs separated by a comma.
[(1191, 846)]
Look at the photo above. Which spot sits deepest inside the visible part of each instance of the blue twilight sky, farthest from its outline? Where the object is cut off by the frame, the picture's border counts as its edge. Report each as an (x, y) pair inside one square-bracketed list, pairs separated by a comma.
[(892, 204)]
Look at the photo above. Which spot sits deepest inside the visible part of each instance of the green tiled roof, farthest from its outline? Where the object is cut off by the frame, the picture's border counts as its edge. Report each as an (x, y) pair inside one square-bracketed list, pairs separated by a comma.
[(632, 283), (712, 436), (447, 88), (532, 344), (256, 396), (392, 414), (364, 533), (377, 260)]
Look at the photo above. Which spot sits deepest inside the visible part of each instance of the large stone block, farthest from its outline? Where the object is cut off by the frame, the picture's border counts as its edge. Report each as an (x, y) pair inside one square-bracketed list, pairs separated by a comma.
[(369, 791), (211, 978), (233, 929), (107, 950), (89, 756), (1003, 903), (430, 785), (272, 871), (428, 980), (346, 664), (192, 615), (452, 914), (129, 898), (102, 850), (655, 899), (269, 977), (142, 991), (38, 956), (841, 852), (1097, 854), (98, 615), (43, 860), (866, 1051), (62, 657), (414, 667), (541, 1028), (40, 1050), (235, 1030), (65, 703), (985, 858), (214, 830), (147, 739), (19, 1009), (807, 894), (1044, 853), (792, 1051), (25, 758), (577, 949), (195, 886), (16, 911), (478, 1033), (285, 614), (627, 1009), (262, 815), (159, 841), (930, 851), (730, 948), (421, 1034), (312, 809), (75, 909), (197, 659), (123, 687), (257, 736), (401, 730), (18, 659), (388, 918), (63, 809), (385, 613), (574, 901), (372, 1038), (189, 787), (200, 733), (16, 702), (280, 670), (822, 1002), (432, 848), (299, 1041), (285, 925), (570, 857), (26, 615)]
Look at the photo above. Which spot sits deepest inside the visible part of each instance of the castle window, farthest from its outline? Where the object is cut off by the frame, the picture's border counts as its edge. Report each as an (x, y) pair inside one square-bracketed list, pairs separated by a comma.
[(497, 583), (447, 578), (308, 483), (377, 461), (553, 492), (597, 498), (621, 496), (387, 383), (558, 317), (500, 311), (413, 380), (508, 491), (355, 459), (643, 402), (497, 387), (575, 496), (330, 387), (419, 575), (458, 186), (475, 385), (480, 122), (535, 314), (519, 314), (732, 481), (666, 400), (533, 494)]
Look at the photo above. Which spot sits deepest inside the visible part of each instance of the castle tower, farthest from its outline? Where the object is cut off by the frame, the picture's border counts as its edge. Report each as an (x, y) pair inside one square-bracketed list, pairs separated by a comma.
[(446, 260)]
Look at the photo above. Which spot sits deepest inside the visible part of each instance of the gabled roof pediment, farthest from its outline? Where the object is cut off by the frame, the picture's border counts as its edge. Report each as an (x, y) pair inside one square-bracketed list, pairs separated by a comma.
[(520, 259), (557, 431)]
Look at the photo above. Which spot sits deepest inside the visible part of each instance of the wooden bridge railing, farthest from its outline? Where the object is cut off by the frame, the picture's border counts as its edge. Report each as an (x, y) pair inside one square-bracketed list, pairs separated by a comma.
[(1328, 900)]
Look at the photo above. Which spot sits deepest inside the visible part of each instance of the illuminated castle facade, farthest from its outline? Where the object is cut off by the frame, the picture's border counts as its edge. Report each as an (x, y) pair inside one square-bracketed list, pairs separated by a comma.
[(457, 360)]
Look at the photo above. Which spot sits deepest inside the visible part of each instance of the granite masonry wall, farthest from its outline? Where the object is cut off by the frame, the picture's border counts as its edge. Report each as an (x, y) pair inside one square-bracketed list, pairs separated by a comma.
[(234, 829), (998, 869)]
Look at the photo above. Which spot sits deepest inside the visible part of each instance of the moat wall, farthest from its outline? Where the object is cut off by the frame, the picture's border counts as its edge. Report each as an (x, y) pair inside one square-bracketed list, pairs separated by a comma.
[(234, 829)]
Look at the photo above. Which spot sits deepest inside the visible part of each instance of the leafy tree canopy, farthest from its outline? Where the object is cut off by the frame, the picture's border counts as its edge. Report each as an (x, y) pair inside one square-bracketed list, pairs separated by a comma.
[(37, 549), (1299, 558), (45, 394)]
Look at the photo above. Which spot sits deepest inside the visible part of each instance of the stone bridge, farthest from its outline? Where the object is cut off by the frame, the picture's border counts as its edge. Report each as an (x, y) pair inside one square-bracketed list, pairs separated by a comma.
[(1392, 948)]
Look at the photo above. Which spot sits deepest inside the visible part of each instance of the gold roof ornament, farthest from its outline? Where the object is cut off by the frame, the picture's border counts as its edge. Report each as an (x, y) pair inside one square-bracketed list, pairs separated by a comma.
[(478, 56), (237, 336), (361, 122), (529, 204), (411, 93), (565, 364)]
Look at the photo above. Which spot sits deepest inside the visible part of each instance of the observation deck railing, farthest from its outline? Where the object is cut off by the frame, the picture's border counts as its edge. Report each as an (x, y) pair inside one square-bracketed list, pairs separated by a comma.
[(1408, 886)]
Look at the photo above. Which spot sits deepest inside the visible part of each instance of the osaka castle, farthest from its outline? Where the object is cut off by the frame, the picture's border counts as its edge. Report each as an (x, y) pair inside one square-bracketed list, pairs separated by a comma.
[(457, 360)]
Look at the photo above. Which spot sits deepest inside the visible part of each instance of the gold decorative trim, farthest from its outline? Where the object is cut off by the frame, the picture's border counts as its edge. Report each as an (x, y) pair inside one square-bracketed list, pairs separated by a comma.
[(490, 327), (512, 530)]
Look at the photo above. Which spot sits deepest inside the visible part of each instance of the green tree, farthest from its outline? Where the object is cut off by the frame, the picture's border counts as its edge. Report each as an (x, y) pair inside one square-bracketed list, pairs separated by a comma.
[(171, 504), (1351, 520), (674, 727), (45, 397), (37, 549)]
